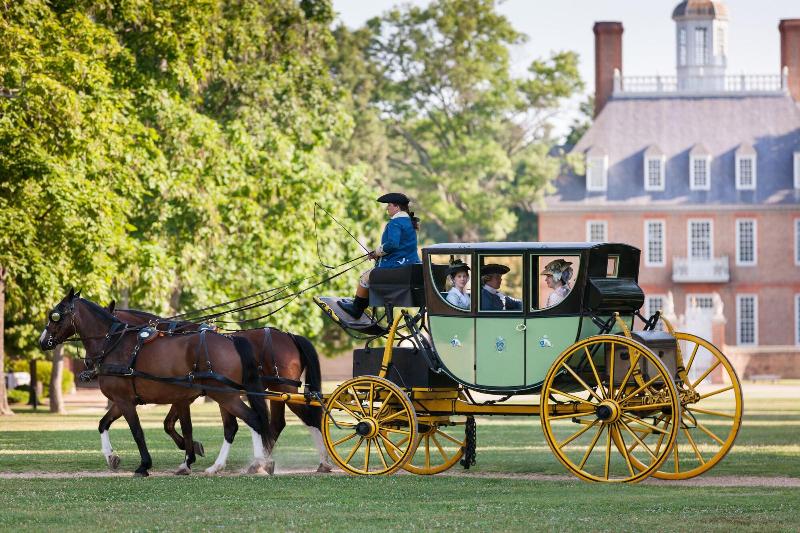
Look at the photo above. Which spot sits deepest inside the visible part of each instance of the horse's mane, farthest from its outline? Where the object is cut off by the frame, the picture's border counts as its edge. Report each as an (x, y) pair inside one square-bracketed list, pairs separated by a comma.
[(99, 309), (141, 313)]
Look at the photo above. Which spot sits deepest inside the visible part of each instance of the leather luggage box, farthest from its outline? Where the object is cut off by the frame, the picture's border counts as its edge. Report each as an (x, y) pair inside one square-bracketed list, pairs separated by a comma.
[(409, 368)]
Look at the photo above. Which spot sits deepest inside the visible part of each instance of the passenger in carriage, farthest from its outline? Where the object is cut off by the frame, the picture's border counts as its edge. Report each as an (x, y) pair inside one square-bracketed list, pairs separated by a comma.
[(557, 275), (398, 248), (458, 272), (491, 297)]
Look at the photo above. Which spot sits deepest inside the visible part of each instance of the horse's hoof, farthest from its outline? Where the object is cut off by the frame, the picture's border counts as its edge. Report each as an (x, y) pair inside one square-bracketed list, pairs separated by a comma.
[(270, 468), (141, 474), (324, 469), (113, 461), (257, 468), (214, 469), (198, 449), (183, 470)]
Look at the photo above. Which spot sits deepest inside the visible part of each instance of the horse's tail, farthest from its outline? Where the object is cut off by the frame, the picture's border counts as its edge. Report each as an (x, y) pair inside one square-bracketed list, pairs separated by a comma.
[(251, 380), (310, 415)]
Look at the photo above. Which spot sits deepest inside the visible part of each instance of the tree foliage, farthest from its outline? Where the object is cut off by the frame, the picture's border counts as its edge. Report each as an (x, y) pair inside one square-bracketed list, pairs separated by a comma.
[(468, 139)]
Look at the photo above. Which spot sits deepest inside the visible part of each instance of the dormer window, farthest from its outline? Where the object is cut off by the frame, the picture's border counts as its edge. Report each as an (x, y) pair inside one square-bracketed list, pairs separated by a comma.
[(699, 169), (797, 170), (700, 46), (596, 170), (654, 169), (745, 168)]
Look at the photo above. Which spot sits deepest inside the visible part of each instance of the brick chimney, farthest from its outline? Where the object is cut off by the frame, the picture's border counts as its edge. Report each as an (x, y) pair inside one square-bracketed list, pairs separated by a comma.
[(607, 57), (790, 53)]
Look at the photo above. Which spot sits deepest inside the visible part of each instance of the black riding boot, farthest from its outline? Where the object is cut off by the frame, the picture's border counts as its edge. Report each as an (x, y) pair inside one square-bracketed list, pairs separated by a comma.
[(355, 308)]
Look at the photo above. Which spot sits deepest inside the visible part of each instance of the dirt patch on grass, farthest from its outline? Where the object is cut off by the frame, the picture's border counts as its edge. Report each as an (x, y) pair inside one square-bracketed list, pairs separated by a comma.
[(701, 481)]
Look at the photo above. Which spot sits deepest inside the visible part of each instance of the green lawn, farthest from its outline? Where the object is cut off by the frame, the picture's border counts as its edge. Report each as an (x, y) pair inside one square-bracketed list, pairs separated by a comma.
[(768, 445)]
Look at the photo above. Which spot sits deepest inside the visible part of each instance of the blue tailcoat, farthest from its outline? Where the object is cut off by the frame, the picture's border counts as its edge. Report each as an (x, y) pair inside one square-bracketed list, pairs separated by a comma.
[(399, 241)]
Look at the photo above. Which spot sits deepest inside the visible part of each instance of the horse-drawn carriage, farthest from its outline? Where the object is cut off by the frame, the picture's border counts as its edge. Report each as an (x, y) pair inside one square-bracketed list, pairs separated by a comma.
[(616, 404)]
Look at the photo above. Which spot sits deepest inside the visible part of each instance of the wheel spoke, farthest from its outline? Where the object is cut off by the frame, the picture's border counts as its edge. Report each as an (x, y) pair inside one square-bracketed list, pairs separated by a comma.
[(611, 371), (394, 430), (677, 461), (648, 407), (578, 434), (591, 447), (661, 437), (706, 373), (583, 383), (449, 437), (624, 451), (371, 397), (608, 453), (640, 441), (388, 442), (392, 416), (711, 434), (643, 423), (694, 446), (366, 455), (571, 396), (344, 439), (631, 366), (572, 415), (353, 451), (439, 447), (710, 412), (345, 408), (594, 371), (726, 389), (384, 405), (380, 450), (691, 359), (637, 391), (357, 400)]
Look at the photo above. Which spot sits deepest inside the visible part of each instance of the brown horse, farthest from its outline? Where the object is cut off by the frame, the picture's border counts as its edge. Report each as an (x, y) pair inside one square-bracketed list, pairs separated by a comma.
[(133, 371), (277, 353)]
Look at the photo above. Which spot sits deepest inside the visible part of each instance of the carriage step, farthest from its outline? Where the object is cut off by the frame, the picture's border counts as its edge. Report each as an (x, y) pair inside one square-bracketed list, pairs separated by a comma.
[(364, 324)]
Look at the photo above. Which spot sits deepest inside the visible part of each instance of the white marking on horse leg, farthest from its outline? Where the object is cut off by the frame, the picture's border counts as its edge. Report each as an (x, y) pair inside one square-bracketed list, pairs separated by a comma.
[(325, 463), (222, 459), (105, 444), (258, 445)]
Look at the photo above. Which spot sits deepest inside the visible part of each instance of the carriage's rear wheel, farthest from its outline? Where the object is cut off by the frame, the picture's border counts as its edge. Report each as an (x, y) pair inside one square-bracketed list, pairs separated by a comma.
[(711, 411), (607, 389), (441, 446), (369, 427)]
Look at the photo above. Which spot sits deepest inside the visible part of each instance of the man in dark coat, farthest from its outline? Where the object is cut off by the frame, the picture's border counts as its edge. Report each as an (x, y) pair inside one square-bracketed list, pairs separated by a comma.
[(491, 297)]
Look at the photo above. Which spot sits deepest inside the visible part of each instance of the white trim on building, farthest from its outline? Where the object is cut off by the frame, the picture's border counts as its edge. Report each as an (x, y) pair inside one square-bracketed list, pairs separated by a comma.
[(747, 320), (596, 231), (655, 173), (596, 173), (700, 172), (746, 172), (700, 242), (655, 253), (746, 242)]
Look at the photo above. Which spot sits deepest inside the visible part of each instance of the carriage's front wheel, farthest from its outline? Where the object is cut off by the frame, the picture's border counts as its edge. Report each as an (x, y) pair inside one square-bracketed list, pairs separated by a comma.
[(370, 426), (608, 388)]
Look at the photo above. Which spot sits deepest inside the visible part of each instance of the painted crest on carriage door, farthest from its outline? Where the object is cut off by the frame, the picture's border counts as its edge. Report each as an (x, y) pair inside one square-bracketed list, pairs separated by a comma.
[(500, 344)]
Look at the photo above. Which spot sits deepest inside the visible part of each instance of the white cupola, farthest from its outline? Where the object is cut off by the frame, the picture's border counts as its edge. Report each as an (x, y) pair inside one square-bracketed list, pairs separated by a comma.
[(701, 33)]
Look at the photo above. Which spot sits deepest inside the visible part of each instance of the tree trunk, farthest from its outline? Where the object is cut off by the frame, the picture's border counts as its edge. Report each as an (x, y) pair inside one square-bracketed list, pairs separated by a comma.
[(4, 408), (56, 395)]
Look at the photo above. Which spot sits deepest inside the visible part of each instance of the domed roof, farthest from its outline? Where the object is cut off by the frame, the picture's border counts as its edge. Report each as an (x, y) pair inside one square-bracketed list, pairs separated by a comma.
[(700, 8)]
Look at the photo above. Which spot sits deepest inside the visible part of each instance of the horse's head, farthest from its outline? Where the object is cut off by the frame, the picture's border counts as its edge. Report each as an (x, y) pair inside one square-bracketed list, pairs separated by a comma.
[(60, 322)]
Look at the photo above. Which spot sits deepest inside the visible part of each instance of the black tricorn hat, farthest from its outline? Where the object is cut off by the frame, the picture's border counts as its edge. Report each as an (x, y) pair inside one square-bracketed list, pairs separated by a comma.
[(457, 266), (394, 198), (493, 268)]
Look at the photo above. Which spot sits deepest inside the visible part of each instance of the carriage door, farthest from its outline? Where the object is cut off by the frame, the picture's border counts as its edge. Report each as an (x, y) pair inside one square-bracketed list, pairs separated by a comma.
[(500, 326)]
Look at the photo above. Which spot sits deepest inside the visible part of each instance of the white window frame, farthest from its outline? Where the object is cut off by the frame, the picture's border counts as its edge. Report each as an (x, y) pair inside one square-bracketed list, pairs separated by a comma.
[(648, 314), (692, 185), (602, 223), (647, 260), (710, 237), (739, 185), (739, 261), (797, 170), (682, 47), (797, 242), (662, 172), (690, 295), (797, 319), (603, 177), (700, 46), (739, 298)]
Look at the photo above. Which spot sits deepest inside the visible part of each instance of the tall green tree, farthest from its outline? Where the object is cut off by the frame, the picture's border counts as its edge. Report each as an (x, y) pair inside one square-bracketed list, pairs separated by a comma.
[(468, 139)]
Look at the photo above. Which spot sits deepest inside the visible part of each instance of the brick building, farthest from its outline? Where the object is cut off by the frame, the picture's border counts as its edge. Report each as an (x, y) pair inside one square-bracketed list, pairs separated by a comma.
[(701, 170)]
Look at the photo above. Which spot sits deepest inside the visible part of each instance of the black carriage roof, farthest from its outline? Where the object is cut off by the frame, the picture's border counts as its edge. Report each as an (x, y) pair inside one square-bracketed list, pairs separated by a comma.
[(529, 245)]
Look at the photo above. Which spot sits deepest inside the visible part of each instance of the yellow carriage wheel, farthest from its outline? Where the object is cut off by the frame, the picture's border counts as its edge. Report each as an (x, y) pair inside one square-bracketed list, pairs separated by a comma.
[(711, 411), (587, 410), (369, 427), (441, 445)]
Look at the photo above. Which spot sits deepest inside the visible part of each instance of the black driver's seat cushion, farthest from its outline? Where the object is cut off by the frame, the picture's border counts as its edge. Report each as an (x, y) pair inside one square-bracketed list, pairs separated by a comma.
[(397, 287)]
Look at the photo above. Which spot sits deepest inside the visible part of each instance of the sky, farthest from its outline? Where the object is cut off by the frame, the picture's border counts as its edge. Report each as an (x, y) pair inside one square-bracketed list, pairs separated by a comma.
[(648, 43)]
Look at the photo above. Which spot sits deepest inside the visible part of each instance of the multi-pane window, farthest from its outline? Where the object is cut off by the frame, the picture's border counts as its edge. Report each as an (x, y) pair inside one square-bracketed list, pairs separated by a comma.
[(653, 303), (700, 46), (654, 243), (720, 43), (797, 241), (797, 170), (746, 319), (797, 319), (700, 173), (700, 240), (682, 47), (745, 242), (746, 172), (596, 173), (596, 231), (654, 174)]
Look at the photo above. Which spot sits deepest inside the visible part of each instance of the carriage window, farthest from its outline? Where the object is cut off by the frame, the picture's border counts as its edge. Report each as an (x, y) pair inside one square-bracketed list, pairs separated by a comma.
[(556, 278), (613, 266), (451, 275), (501, 283)]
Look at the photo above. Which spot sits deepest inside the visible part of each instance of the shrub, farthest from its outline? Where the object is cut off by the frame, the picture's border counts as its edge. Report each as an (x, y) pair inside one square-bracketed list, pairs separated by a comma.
[(43, 370), (17, 396)]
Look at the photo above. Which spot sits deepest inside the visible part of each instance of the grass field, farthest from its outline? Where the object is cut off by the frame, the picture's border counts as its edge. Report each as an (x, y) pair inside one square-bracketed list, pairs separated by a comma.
[(768, 447)]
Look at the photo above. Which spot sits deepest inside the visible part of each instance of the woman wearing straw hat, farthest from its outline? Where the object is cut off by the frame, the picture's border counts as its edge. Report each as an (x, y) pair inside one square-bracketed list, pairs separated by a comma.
[(458, 272), (398, 248), (557, 275)]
